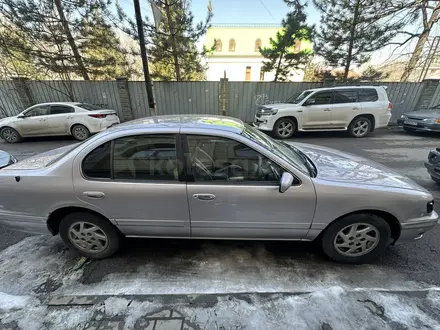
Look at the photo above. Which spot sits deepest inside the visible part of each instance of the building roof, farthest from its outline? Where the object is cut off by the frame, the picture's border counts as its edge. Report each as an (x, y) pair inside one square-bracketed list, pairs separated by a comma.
[(222, 123)]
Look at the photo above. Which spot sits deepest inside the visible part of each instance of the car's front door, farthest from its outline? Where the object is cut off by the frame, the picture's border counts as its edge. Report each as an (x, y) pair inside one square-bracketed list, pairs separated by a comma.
[(316, 110), (134, 181), (34, 121), (235, 193), (346, 106), (60, 118)]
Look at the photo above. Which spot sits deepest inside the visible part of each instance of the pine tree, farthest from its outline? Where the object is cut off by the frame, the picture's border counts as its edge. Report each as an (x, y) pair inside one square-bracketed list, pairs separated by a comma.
[(63, 39), (352, 29), (172, 46), (281, 57)]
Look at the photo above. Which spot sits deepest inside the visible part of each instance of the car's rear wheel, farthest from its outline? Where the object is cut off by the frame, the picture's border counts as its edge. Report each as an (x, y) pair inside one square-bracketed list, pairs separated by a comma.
[(90, 235), (359, 127), (284, 128), (80, 132), (435, 179), (10, 135), (356, 239)]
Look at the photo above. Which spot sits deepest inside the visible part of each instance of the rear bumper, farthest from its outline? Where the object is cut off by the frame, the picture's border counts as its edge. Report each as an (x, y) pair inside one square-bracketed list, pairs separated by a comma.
[(33, 225), (414, 229), (422, 126)]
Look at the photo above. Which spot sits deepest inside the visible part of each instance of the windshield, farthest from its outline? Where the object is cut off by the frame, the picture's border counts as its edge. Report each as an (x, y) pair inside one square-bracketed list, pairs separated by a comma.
[(298, 98), (286, 152), (89, 107)]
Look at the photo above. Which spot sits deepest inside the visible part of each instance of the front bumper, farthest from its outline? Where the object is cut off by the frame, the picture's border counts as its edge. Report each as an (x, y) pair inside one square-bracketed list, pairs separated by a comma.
[(433, 163), (414, 229), (420, 125), (264, 123)]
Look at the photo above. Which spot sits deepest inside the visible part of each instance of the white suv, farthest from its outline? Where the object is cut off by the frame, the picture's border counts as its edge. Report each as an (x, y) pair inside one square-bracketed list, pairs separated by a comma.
[(356, 109)]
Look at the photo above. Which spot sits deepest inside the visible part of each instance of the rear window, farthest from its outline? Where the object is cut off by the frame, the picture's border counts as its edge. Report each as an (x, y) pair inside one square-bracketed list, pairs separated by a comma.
[(368, 95), (89, 107), (97, 163)]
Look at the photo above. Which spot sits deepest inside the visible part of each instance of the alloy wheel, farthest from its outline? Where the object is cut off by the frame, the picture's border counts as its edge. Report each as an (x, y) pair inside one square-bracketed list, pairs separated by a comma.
[(10, 135), (88, 237), (285, 128), (80, 133), (361, 128), (357, 239)]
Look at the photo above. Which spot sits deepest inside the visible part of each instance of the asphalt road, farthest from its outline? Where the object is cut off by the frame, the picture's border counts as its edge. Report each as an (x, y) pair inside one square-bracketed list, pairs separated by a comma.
[(419, 261)]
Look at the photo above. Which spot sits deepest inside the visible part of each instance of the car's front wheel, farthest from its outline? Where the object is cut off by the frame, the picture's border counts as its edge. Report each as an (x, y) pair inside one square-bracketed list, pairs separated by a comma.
[(356, 239), (284, 128), (10, 135), (80, 132), (90, 235), (359, 127)]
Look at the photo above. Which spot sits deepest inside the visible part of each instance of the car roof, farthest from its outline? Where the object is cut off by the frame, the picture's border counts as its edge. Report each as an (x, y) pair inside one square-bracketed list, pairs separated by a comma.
[(57, 103), (345, 87), (221, 123)]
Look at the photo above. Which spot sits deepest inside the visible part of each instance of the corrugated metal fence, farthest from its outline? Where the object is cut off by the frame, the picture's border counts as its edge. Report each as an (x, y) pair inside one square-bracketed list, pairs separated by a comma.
[(187, 97)]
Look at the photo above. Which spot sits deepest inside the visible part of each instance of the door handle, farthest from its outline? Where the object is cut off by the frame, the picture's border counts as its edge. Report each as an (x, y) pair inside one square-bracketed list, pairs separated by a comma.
[(94, 194), (204, 197), (355, 108), (327, 109)]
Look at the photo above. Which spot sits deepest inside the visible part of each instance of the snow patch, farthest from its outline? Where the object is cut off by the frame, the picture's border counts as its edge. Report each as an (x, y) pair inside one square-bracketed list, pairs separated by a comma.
[(68, 318), (9, 302), (115, 306)]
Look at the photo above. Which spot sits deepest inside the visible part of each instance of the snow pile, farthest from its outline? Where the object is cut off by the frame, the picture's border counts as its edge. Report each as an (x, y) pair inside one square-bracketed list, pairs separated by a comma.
[(9, 302), (115, 306)]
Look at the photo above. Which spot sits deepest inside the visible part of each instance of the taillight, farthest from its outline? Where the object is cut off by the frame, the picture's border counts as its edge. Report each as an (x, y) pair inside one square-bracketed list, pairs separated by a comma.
[(390, 106), (98, 116)]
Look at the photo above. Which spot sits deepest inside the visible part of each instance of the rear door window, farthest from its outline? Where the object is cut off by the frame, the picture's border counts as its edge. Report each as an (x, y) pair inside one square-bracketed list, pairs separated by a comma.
[(97, 163), (368, 95), (345, 96), (60, 109)]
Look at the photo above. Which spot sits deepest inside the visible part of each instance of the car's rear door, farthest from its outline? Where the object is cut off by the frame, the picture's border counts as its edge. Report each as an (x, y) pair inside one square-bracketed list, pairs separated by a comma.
[(135, 181), (60, 118), (235, 192), (346, 106)]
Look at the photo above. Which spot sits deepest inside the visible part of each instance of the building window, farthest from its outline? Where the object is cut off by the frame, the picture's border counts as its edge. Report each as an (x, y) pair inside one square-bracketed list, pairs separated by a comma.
[(257, 45), (248, 73), (231, 45), (218, 45), (261, 74), (297, 45)]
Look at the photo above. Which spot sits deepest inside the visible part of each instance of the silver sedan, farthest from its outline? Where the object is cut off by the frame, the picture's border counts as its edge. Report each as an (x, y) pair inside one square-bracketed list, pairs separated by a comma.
[(215, 178)]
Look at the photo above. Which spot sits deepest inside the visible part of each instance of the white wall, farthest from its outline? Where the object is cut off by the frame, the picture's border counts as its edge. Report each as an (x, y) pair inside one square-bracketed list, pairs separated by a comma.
[(236, 69)]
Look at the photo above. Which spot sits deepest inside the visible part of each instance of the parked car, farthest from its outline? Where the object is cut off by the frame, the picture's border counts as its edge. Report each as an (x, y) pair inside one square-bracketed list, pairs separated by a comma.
[(58, 118), (428, 120), (433, 164), (356, 109), (189, 176), (6, 159)]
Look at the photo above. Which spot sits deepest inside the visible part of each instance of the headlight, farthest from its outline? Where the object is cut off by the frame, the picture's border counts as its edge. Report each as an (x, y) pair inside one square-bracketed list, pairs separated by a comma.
[(403, 117), (431, 120), (268, 111)]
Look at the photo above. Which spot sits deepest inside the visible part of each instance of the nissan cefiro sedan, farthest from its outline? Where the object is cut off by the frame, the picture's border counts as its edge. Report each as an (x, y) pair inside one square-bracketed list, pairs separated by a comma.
[(211, 177)]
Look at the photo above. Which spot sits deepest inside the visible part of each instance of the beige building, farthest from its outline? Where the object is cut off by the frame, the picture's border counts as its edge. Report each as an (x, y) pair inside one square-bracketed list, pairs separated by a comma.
[(237, 51)]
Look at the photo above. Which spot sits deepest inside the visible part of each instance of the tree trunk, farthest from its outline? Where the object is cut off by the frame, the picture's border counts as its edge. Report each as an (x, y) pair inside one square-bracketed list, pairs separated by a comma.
[(352, 37), (71, 41), (173, 41), (277, 71), (415, 57)]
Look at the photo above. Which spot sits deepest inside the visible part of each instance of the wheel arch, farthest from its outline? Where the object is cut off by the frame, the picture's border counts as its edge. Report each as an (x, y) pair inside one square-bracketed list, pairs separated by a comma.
[(368, 116), (389, 218), (75, 124), (55, 217)]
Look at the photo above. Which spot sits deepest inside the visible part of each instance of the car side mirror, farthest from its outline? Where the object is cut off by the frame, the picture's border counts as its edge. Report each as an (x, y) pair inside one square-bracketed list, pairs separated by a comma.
[(285, 182), (21, 116), (310, 102)]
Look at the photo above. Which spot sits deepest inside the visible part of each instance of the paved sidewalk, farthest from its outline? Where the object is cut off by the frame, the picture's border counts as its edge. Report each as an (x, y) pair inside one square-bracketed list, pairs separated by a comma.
[(326, 309)]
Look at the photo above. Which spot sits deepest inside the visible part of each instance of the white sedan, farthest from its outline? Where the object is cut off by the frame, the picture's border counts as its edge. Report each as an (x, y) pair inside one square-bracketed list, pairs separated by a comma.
[(57, 118)]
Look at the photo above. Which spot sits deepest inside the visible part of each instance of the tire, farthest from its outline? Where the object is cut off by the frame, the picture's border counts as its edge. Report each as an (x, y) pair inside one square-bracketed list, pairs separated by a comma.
[(10, 135), (435, 179), (356, 124), (284, 128), (93, 247), (80, 132), (409, 130), (331, 236)]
